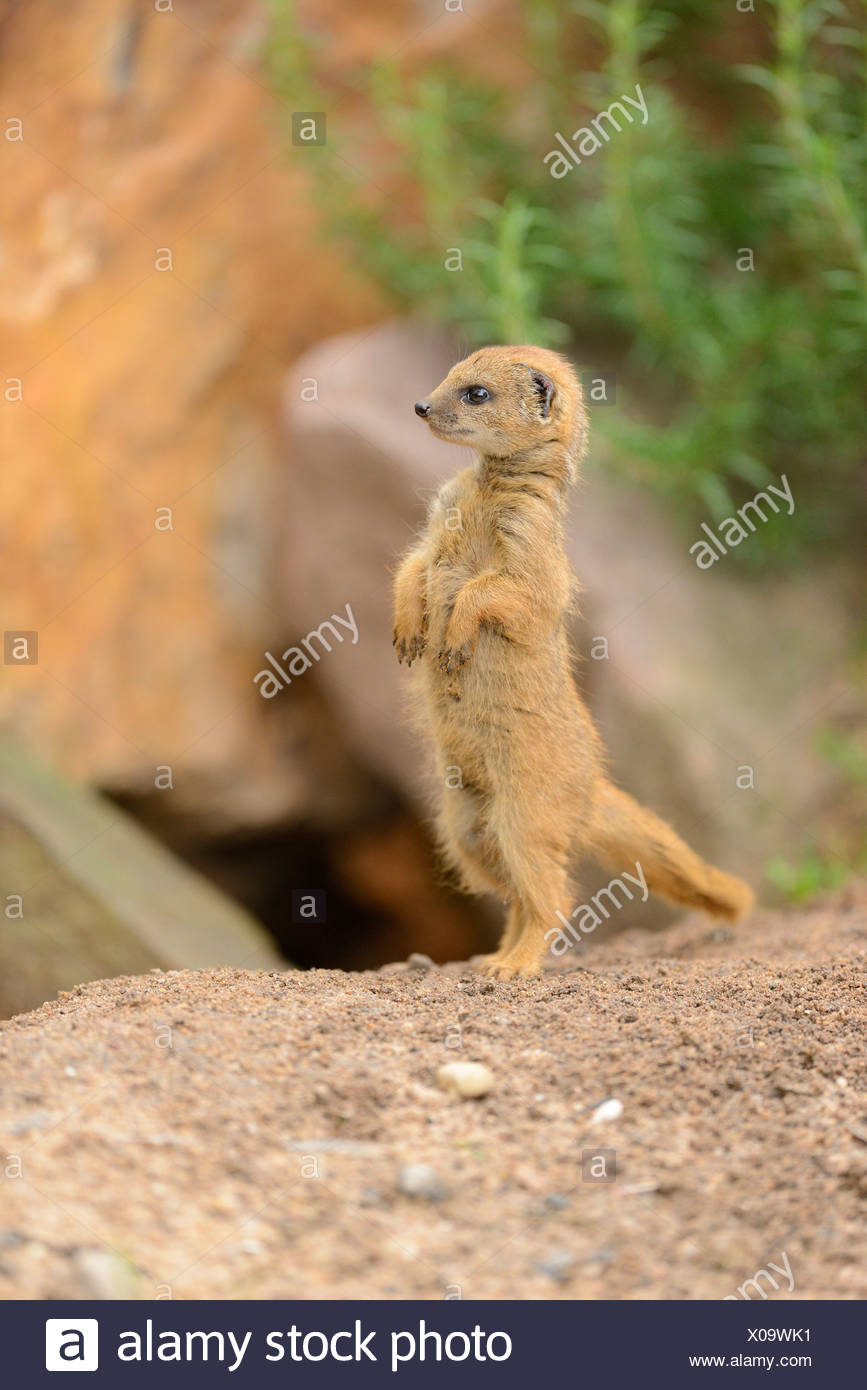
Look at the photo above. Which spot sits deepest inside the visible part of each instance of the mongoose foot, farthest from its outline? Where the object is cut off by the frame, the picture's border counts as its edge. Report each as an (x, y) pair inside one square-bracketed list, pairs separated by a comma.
[(409, 649), (482, 963), (513, 965), (452, 658)]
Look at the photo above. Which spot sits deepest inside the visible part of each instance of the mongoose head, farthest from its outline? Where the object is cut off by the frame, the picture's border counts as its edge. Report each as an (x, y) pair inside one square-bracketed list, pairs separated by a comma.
[(512, 403)]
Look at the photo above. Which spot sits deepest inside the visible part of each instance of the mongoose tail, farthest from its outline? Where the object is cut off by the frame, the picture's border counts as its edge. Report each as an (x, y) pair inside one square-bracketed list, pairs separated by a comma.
[(622, 832)]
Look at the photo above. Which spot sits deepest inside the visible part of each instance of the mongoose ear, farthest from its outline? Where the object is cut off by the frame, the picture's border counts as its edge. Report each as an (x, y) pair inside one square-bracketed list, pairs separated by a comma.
[(544, 388)]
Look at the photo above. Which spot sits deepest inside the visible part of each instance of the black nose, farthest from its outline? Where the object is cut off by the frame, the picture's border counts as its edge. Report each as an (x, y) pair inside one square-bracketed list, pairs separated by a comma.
[(423, 409)]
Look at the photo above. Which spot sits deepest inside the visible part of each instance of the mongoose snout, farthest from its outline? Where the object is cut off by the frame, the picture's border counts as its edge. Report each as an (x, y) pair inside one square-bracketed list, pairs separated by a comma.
[(481, 608)]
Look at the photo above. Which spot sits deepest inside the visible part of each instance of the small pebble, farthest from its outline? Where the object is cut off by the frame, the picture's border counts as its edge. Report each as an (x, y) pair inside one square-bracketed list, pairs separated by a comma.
[(557, 1266), (469, 1080), (598, 1259), (557, 1201), (420, 962), (609, 1110), (105, 1275), (420, 1180)]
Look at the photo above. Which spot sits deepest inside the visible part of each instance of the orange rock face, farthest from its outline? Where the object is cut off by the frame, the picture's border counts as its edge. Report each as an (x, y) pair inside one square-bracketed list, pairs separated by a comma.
[(160, 267)]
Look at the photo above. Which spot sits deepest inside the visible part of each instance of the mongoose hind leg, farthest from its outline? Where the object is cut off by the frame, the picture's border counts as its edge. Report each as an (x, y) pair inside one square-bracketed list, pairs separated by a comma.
[(468, 849), (512, 932), (536, 816), (474, 854), (541, 887)]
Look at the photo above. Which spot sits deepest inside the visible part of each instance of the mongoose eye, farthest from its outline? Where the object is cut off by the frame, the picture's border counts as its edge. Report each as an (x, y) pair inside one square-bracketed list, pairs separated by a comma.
[(476, 394)]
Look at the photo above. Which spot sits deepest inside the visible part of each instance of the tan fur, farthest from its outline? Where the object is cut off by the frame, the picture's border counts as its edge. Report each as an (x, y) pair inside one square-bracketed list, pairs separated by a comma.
[(481, 603)]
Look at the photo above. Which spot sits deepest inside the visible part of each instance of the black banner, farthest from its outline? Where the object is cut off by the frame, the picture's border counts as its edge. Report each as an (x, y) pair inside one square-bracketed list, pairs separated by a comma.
[(424, 1344)]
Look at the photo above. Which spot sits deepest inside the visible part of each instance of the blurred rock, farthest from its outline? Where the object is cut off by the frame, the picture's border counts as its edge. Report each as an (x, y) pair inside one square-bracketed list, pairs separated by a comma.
[(700, 676), (87, 894), (418, 961), (161, 264)]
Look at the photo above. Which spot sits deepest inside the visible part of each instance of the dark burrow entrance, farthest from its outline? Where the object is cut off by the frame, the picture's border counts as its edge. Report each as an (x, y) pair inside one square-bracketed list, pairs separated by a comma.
[(353, 898)]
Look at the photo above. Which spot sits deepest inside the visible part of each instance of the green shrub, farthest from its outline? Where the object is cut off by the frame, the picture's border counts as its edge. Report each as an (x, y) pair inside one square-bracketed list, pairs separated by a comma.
[(727, 377)]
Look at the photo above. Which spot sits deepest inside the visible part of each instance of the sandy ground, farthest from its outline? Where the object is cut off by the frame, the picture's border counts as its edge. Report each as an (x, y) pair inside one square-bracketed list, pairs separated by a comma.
[(232, 1134)]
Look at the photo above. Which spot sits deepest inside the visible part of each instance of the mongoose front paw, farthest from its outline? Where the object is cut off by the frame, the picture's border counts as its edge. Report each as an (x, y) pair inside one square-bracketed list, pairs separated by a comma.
[(409, 649), (452, 658)]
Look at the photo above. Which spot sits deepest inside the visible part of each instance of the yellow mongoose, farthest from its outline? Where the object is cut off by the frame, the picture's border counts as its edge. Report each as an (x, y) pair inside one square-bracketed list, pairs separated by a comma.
[(481, 602)]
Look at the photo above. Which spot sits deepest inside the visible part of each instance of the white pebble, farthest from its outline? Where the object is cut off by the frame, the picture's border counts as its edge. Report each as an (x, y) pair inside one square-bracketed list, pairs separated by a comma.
[(420, 1180), (608, 1110), (466, 1079)]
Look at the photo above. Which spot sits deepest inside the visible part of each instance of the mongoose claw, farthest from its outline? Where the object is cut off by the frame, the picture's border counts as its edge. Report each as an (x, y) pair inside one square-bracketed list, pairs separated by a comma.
[(452, 658), (409, 649)]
